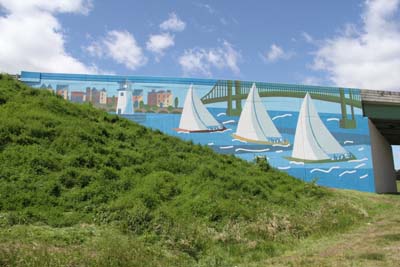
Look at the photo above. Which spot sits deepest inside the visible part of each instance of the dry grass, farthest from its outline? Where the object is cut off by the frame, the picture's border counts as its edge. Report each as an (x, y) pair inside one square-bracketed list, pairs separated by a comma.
[(376, 243)]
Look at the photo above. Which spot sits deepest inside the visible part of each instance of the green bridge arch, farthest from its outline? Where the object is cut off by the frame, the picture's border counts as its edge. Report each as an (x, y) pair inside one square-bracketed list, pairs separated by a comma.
[(236, 91)]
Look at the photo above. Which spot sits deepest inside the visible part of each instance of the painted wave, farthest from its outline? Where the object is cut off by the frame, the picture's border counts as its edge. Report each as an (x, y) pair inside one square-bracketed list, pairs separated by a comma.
[(325, 171), (347, 172), (230, 121), (297, 162), (359, 166), (284, 167), (225, 147), (282, 116), (332, 119), (287, 145), (358, 160), (251, 150), (238, 140)]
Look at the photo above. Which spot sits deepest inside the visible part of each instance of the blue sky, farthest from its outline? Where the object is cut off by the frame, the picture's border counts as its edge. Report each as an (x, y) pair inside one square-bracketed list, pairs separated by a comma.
[(350, 43), (250, 27)]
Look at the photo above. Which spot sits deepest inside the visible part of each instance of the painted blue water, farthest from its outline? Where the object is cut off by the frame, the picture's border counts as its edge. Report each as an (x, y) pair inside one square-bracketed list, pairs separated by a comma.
[(354, 174)]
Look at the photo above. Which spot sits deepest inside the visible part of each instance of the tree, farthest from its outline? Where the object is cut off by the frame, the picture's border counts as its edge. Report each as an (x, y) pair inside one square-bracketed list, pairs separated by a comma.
[(141, 104), (176, 102)]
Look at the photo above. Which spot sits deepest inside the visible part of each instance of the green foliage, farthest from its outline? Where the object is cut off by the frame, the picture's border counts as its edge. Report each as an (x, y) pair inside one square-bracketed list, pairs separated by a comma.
[(64, 164), (176, 102), (263, 163)]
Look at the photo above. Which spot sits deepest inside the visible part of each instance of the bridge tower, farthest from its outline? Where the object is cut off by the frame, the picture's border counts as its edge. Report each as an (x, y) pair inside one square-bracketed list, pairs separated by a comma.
[(345, 122), (234, 111)]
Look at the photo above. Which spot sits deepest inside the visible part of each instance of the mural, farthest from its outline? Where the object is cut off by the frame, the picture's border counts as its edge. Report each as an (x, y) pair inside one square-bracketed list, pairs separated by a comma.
[(311, 132)]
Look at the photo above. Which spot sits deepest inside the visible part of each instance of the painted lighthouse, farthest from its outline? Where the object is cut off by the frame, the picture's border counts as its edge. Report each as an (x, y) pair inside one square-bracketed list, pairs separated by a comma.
[(124, 104)]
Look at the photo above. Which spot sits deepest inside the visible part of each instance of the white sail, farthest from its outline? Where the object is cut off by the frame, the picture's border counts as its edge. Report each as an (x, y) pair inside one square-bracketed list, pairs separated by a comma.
[(195, 116), (313, 141), (254, 123)]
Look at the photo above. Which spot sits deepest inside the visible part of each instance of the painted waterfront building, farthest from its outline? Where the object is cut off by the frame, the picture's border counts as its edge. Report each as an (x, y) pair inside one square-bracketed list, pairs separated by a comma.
[(314, 133)]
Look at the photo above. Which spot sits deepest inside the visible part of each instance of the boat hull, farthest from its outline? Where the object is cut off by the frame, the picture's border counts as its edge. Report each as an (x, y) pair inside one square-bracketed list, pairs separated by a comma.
[(199, 131), (320, 161), (259, 142)]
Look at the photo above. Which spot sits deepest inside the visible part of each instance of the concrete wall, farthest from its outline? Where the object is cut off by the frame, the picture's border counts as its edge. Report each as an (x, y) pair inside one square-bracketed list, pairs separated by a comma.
[(382, 158), (325, 127)]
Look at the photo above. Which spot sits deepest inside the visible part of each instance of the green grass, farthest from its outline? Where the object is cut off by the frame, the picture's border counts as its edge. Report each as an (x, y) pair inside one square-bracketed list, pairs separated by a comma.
[(78, 185), (372, 256)]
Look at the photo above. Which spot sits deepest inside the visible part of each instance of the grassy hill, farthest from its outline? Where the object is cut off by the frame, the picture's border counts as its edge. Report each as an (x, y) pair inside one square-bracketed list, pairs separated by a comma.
[(81, 187)]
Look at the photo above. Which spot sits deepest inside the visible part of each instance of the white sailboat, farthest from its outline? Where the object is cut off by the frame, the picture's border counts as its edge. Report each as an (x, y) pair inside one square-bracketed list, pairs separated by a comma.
[(195, 116), (255, 125), (313, 142)]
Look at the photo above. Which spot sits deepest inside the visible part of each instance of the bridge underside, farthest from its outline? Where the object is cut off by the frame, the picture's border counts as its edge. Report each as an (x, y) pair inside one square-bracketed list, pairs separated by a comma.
[(386, 119), (383, 109)]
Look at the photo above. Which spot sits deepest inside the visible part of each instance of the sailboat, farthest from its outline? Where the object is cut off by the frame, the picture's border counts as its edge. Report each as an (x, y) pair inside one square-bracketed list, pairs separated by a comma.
[(255, 125), (195, 116), (313, 142)]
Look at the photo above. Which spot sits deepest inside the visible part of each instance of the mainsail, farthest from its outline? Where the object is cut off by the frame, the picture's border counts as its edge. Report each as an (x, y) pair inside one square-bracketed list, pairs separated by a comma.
[(195, 116), (313, 141), (255, 125)]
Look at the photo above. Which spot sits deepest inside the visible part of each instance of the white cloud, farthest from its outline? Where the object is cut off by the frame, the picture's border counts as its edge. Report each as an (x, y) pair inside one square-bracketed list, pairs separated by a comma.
[(311, 80), (209, 8), (121, 46), (366, 57), (158, 43), (32, 38), (173, 23), (276, 53), (95, 49), (61, 6), (201, 60), (308, 38), (223, 21)]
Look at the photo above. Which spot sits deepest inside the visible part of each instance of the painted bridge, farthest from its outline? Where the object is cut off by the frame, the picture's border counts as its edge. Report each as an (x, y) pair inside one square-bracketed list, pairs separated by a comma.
[(233, 92)]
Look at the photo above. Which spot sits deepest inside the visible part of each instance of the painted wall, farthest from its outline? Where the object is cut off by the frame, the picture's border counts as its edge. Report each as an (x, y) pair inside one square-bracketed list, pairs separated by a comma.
[(313, 133)]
